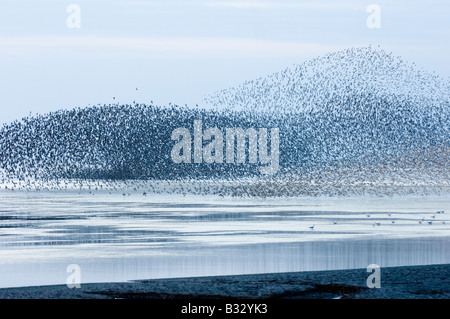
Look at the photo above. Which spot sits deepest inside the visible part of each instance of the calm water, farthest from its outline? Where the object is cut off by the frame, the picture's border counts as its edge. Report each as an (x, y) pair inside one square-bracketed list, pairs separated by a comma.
[(117, 238)]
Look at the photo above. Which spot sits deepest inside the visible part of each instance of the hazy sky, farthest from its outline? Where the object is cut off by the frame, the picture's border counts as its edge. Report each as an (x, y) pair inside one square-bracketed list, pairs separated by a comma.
[(179, 51)]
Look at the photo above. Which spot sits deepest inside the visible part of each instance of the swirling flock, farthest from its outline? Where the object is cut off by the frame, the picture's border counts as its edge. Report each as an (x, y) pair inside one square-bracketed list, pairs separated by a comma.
[(357, 121)]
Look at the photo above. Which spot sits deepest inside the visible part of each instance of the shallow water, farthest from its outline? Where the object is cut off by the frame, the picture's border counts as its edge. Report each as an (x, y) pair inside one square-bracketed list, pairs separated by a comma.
[(117, 238)]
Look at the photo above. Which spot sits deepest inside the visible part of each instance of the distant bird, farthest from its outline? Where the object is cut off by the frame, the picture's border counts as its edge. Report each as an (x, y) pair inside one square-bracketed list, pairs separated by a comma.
[(312, 227)]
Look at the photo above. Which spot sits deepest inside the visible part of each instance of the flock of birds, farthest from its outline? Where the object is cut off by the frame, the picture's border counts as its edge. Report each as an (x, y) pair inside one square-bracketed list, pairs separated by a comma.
[(320, 84), (351, 122), (432, 220)]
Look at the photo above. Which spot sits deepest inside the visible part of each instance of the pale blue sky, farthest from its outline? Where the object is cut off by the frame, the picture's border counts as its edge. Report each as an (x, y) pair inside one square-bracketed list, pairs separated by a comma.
[(179, 51)]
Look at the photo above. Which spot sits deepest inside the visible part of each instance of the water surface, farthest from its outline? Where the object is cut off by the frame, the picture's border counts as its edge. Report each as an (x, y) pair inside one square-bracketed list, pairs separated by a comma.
[(113, 237)]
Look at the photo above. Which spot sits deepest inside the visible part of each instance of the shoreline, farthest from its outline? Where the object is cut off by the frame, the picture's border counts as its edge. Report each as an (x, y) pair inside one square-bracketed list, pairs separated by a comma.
[(406, 282)]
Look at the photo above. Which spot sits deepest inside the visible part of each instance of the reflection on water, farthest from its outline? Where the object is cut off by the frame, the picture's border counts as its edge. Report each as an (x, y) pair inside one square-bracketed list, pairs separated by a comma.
[(119, 238)]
